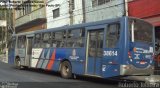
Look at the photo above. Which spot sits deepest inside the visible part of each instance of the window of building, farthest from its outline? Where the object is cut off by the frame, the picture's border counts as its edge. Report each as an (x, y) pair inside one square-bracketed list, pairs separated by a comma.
[(112, 35), (27, 8), (99, 2), (56, 13), (75, 38), (23, 9), (46, 40), (37, 42)]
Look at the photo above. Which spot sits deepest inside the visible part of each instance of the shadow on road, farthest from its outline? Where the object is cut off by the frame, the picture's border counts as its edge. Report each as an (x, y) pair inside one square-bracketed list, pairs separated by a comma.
[(108, 81), (76, 82)]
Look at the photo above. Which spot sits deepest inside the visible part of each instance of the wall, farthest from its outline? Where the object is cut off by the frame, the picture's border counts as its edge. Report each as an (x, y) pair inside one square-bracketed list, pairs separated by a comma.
[(112, 9), (144, 8), (64, 18), (148, 10)]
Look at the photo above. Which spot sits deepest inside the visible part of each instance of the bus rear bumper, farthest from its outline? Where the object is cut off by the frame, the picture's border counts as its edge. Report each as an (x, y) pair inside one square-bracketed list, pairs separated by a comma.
[(131, 70)]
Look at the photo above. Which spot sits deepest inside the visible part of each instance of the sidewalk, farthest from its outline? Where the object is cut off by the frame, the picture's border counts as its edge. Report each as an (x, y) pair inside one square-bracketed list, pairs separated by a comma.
[(2, 57), (147, 79)]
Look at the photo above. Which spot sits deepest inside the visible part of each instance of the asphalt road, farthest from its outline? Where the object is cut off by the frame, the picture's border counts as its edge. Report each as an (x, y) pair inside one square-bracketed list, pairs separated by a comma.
[(10, 77)]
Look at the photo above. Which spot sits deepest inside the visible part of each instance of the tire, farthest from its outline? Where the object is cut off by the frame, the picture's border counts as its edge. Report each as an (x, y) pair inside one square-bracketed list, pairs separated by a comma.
[(66, 70), (18, 64)]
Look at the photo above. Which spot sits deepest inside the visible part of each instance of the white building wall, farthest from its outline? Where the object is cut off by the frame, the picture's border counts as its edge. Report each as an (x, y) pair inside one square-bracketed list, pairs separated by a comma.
[(112, 9), (59, 21), (78, 12), (64, 18)]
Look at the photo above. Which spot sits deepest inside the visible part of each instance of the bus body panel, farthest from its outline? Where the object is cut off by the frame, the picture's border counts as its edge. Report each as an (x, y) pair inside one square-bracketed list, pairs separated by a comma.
[(51, 58), (113, 57), (100, 60), (138, 55)]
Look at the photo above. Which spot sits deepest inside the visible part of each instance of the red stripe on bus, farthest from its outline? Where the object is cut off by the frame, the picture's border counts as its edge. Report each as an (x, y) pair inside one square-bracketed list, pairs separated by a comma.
[(51, 61)]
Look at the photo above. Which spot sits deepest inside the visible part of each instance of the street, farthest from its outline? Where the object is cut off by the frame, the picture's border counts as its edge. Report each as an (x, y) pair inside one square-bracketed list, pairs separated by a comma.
[(32, 78)]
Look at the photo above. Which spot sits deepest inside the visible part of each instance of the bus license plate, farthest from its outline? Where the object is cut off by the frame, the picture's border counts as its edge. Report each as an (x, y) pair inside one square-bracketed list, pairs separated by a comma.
[(142, 62)]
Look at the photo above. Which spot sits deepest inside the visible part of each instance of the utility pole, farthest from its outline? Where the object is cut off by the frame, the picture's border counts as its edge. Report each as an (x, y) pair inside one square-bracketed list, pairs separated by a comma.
[(2, 40), (84, 11), (125, 7), (13, 20), (71, 7)]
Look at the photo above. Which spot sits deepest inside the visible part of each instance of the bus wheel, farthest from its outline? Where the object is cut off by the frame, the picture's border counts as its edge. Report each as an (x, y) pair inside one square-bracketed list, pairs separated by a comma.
[(66, 70), (18, 64)]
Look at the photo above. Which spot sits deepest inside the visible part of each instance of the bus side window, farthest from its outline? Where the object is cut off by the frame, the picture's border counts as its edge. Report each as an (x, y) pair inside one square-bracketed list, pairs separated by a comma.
[(112, 35), (54, 43), (37, 42), (21, 42), (60, 39), (75, 38), (46, 40)]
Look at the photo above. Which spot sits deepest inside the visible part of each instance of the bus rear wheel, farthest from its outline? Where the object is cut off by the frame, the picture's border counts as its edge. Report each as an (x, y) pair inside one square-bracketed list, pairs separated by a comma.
[(66, 70)]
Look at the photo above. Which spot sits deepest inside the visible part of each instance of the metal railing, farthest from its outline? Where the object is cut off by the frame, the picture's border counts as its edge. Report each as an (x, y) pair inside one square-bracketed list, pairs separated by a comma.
[(39, 13)]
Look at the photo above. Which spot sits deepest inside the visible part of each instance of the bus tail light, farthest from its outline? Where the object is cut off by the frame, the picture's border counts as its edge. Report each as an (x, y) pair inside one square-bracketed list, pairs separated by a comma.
[(154, 56), (129, 55), (134, 49)]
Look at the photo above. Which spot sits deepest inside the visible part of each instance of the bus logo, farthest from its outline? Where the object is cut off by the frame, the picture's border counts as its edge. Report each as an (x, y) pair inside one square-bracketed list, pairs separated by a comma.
[(74, 55), (74, 52), (137, 56)]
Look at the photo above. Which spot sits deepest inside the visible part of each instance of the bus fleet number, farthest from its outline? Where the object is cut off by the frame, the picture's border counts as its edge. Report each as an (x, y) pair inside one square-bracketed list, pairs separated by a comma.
[(110, 53)]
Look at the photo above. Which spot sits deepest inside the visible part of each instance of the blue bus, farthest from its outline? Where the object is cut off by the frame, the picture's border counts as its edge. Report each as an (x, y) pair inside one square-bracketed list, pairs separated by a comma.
[(117, 47)]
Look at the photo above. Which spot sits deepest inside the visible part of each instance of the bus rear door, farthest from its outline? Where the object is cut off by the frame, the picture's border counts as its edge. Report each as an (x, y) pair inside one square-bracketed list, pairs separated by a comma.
[(94, 50), (28, 50)]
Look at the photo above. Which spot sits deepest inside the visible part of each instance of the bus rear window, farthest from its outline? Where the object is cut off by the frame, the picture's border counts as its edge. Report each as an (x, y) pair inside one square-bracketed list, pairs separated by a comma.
[(140, 31)]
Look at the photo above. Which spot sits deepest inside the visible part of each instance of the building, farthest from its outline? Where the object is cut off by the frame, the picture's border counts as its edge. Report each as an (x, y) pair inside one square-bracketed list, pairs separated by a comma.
[(68, 12), (64, 12), (148, 10), (45, 14), (96, 10), (30, 15)]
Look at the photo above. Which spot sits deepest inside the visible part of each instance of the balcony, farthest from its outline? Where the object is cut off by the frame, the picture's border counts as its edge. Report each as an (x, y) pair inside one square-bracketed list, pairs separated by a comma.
[(35, 15)]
